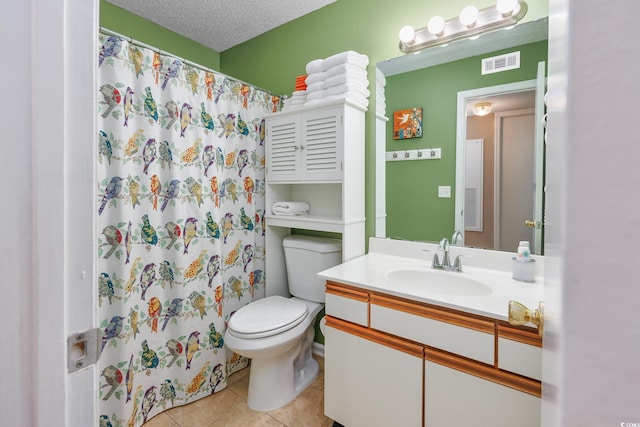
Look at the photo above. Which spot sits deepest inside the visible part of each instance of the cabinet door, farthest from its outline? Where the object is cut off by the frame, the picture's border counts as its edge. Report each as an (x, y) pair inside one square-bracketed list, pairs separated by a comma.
[(368, 384), (455, 398), (283, 149), (321, 150)]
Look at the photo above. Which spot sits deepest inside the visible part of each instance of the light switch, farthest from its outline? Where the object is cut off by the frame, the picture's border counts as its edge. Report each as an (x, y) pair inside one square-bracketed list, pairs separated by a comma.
[(444, 191)]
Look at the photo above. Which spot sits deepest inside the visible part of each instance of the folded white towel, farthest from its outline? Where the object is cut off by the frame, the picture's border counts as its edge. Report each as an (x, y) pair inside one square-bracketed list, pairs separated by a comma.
[(348, 57), (314, 78), (339, 80), (350, 96), (339, 90), (290, 208), (315, 66), (346, 69)]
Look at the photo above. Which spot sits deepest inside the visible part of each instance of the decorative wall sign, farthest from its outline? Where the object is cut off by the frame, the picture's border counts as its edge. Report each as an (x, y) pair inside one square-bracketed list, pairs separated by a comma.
[(407, 123)]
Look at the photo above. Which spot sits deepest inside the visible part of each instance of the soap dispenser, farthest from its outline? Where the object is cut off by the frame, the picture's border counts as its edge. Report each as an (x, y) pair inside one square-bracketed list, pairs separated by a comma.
[(523, 264)]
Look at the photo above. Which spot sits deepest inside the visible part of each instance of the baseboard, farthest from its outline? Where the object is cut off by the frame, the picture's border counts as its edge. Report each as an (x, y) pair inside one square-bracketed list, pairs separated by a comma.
[(317, 349)]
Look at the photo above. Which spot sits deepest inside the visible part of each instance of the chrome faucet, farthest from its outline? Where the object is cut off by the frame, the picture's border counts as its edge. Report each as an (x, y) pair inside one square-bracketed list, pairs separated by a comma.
[(456, 238), (446, 260)]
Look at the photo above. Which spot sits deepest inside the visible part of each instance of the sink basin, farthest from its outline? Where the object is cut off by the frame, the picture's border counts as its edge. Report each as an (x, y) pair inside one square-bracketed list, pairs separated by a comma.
[(421, 280)]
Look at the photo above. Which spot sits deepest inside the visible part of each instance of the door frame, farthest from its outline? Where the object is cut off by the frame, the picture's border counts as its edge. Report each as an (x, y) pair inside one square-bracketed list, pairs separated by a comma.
[(461, 136), (63, 117)]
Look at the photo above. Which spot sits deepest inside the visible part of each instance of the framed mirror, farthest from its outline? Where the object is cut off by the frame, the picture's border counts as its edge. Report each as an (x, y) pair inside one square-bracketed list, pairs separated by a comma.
[(433, 80)]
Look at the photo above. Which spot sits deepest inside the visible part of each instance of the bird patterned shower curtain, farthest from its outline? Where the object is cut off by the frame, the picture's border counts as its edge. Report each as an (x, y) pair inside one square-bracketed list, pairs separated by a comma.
[(180, 211)]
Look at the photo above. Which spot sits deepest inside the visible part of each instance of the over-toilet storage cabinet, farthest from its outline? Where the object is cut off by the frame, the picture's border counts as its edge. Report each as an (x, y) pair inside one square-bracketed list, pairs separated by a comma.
[(315, 155), (393, 361)]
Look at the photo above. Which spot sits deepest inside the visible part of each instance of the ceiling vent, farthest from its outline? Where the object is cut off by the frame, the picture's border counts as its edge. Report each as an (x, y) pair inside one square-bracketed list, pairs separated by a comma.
[(495, 64)]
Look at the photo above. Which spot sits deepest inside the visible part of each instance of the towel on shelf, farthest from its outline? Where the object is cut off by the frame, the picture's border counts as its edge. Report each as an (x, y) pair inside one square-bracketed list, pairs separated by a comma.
[(347, 57), (290, 208), (314, 78), (338, 90), (360, 84), (349, 96), (346, 69), (380, 78)]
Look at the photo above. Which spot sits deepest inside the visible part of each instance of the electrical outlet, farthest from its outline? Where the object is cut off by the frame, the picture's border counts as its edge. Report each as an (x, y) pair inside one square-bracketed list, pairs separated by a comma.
[(444, 191)]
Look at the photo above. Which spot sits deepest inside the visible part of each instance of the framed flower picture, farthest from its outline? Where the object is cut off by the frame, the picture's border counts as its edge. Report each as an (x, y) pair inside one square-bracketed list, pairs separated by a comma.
[(407, 123)]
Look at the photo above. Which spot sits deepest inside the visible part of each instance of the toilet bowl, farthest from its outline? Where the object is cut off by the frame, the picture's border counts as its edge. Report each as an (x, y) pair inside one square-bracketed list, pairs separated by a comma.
[(277, 333)]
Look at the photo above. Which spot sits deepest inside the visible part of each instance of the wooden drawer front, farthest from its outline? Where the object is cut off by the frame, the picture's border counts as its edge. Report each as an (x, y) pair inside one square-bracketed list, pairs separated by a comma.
[(520, 358), (347, 304), (434, 333)]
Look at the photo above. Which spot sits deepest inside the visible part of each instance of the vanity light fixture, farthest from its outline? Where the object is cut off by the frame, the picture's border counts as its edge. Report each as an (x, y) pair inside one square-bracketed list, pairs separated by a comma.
[(481, 108), (471, 22)]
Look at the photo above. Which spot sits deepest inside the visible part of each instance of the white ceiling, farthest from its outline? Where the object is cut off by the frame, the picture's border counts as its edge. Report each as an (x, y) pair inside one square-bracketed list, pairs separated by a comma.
[(221, 24)]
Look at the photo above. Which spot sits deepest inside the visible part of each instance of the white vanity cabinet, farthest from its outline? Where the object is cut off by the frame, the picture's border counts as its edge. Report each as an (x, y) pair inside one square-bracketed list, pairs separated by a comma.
[(315, 155), (463, 369)]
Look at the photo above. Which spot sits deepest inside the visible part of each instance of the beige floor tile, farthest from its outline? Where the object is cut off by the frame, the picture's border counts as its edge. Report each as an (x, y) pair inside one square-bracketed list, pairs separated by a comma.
[(161, 420), (243, 416), (237, 376), (306, 410), (328, 423), (205, 411), (240, 385)]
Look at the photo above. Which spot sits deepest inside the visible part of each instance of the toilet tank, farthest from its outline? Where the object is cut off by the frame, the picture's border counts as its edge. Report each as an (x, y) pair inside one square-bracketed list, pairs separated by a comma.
[(305, 256)]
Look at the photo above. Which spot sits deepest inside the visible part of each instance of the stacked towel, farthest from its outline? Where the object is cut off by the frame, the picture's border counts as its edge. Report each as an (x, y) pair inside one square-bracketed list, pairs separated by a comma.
[(297, 100), (290, 208), (381, 105), (301, 83), (341, 76)]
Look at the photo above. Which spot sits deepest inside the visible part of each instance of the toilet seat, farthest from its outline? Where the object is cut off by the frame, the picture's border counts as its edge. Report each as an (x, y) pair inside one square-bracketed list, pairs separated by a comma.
[(266, 317)]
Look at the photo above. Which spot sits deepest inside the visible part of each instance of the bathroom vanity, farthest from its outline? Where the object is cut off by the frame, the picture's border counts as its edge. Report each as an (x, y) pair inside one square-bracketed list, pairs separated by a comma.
[(401, 351)]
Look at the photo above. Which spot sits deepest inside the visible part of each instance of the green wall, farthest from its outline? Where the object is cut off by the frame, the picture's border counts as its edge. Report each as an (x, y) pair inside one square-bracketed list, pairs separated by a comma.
[(414, 210), (126, 23), (274, 59)]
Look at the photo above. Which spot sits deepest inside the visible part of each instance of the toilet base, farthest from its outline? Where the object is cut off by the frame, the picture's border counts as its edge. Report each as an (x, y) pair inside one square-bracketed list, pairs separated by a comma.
[(273, 384)]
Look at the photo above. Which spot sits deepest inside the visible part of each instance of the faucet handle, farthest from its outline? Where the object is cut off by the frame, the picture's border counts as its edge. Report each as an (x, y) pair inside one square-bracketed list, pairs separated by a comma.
[(457, 263)]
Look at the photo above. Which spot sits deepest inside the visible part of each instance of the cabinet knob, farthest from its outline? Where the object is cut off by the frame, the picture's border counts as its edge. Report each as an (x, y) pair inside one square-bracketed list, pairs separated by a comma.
[(529, 223), (519, 314)]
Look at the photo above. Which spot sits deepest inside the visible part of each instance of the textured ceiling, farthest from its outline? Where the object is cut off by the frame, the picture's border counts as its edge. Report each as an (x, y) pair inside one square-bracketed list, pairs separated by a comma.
[(220, 24)]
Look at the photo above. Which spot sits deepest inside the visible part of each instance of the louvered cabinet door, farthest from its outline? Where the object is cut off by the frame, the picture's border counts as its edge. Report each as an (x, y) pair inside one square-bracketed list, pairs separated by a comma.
[(283, 149), (321, 150)]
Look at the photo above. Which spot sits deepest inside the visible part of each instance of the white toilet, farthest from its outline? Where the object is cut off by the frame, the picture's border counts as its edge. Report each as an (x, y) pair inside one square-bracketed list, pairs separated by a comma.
[(276, 333)]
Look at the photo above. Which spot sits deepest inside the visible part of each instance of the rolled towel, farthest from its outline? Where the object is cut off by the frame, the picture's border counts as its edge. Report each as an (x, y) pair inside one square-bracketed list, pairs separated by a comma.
[(357, 88), (290, 208), (315, 66)]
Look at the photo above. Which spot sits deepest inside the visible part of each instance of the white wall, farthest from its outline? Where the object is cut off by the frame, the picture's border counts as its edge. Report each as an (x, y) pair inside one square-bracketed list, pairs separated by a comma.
[(594, 221)]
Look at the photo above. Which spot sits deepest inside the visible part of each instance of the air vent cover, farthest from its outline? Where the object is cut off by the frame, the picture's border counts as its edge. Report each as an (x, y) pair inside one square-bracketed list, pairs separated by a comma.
[(495, 64)]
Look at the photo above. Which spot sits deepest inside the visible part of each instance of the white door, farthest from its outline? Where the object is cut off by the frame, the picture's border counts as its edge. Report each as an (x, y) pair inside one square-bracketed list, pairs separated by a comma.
[(514, 172)]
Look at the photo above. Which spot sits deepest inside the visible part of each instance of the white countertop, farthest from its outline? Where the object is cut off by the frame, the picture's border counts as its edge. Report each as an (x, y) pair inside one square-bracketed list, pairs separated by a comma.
[(491, 268)]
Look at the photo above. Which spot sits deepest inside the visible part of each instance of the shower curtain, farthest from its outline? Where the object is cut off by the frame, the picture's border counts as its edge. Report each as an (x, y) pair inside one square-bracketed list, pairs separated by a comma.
[(180, 212)]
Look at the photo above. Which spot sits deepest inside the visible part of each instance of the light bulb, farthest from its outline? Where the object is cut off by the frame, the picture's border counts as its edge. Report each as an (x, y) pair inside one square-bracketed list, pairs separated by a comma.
[(407, 34), (436, 25), (468, 16), (482, 108), (507, 7)]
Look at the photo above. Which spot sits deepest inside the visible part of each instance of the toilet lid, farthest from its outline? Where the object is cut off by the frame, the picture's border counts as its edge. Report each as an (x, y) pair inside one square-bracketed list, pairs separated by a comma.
[(267, 316)]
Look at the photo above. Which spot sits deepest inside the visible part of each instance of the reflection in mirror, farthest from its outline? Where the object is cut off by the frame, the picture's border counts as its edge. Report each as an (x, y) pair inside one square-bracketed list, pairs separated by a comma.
[(432, 80)]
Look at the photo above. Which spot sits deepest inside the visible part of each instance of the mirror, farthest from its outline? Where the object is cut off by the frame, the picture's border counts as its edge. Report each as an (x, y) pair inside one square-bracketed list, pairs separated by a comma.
[(408, 191)]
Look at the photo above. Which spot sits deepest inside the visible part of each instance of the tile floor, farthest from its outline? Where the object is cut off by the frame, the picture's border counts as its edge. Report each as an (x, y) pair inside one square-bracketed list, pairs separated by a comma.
[(229, 408)]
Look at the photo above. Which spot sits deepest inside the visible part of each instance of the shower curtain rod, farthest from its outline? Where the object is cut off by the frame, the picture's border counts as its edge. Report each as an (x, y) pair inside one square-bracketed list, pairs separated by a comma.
[(186, 61)]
